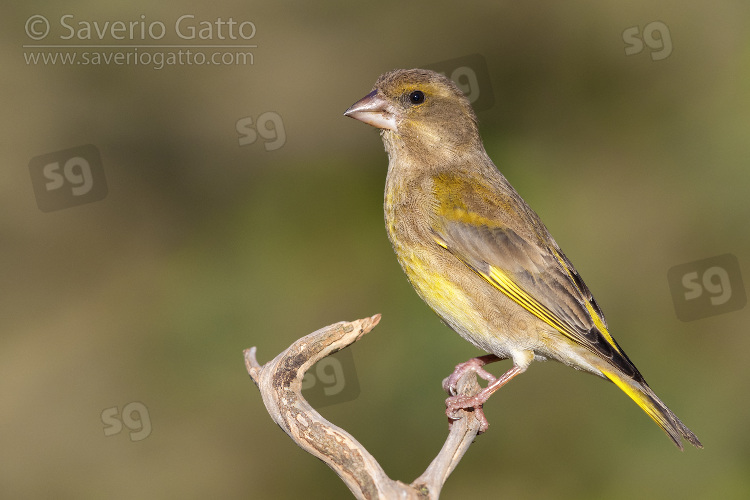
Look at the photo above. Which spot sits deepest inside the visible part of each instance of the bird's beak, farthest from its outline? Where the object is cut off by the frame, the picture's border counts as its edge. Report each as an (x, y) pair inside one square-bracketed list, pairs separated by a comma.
[(373, 110)]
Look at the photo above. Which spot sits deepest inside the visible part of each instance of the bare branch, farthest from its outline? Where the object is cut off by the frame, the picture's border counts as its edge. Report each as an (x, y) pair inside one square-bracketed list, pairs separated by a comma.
[(280, 383), (462, 434)]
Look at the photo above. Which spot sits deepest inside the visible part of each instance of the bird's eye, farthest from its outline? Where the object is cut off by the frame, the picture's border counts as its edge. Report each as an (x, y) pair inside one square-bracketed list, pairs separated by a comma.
[(416, 97)]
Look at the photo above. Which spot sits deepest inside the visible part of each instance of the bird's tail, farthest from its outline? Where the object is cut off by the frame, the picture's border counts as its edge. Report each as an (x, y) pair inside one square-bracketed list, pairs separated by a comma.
[(654, 408)]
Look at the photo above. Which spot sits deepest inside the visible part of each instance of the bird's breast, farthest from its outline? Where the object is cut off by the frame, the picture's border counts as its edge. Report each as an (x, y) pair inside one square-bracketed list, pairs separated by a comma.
[(438, 277)]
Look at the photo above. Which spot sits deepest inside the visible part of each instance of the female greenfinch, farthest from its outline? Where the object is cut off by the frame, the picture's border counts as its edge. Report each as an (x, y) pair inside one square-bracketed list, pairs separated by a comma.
[(478, 255)]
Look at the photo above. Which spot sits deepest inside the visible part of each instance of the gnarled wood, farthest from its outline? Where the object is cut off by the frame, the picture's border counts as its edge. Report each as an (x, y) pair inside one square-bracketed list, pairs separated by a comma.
[(280, 385)]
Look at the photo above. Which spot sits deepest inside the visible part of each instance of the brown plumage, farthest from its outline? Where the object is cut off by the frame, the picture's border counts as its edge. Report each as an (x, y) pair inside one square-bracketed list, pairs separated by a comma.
[(478, 255)]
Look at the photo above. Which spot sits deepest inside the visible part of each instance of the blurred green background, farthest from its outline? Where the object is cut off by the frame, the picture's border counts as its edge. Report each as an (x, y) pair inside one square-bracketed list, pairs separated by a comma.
[(204, 247)]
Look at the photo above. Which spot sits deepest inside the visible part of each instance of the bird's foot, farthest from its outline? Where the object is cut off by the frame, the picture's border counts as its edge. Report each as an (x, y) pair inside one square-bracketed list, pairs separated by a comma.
[(475, 403), (469, 403), (474, 364)]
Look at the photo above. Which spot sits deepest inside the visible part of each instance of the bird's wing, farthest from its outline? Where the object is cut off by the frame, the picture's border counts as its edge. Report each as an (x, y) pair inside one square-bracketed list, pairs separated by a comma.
[(535, 274)]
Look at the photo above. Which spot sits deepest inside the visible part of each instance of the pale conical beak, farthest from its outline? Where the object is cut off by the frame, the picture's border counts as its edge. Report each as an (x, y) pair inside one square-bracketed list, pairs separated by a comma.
[(374, 110)]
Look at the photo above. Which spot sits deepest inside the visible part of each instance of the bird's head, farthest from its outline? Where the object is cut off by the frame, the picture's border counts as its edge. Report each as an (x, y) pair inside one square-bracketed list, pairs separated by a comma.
[(419, 108)]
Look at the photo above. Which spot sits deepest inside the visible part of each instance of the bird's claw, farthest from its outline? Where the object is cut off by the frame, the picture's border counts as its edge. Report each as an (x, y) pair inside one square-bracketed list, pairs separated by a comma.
[(450, 384), (469, 403)]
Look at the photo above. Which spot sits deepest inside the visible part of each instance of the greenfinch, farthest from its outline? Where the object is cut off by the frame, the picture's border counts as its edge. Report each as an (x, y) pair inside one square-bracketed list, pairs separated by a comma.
[(479, 256)]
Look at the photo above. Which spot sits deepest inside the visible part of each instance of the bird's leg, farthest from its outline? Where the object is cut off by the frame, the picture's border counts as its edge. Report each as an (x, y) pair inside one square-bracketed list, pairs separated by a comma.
[(455, 403), (475, 365)]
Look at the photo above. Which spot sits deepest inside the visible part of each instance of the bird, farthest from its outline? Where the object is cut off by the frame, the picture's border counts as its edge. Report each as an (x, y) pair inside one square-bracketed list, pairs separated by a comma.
[(477, 253)]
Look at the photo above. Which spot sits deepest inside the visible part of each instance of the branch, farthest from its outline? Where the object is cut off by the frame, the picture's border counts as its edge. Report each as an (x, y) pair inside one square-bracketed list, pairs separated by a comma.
[(280, 385)]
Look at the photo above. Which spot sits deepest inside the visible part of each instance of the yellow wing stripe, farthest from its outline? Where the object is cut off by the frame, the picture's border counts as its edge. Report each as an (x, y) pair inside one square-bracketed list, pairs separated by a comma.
[(602, 329), (500, 280), (594, 315), (506, 285)]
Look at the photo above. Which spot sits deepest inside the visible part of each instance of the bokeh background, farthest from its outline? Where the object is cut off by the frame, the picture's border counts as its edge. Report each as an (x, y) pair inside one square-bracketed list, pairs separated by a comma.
[(203, 247)]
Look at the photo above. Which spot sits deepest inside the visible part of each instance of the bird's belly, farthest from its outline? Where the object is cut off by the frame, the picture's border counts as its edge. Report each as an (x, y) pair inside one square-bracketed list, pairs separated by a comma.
[(464, 300), (478, 312)]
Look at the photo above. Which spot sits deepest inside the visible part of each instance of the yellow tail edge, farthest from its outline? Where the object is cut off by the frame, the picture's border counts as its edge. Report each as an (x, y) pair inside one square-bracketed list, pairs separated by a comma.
[(654, 408)]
